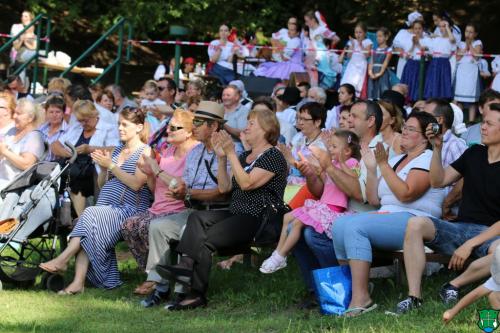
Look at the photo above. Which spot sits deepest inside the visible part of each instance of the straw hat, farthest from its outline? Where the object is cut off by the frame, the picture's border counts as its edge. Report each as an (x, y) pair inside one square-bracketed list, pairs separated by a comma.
[(210, 110)]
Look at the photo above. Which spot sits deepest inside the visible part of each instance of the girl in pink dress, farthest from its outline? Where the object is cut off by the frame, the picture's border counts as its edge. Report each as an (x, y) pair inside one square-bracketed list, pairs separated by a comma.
[(320, 214)]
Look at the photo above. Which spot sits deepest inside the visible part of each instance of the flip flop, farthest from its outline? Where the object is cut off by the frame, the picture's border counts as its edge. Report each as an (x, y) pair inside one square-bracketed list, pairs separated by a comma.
[(358, 311), (51, 271)]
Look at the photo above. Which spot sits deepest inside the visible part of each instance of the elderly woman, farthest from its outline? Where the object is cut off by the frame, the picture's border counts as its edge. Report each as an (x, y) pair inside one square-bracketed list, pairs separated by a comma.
[(7, 107), (55, 126), (392, 121), (221, 53), (22, 146), (258, 176), (124, 194), (162, 177), (88, 134), (402, 190), (287, 53)]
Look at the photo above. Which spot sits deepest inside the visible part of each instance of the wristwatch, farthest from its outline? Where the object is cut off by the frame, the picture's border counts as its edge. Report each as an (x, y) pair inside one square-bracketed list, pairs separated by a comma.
[(187, 197)]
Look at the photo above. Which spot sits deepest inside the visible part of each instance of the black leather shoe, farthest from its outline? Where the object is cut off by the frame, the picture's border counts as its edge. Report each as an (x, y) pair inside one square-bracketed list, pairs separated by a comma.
[(198, 302), (166, 273), (155, 298)]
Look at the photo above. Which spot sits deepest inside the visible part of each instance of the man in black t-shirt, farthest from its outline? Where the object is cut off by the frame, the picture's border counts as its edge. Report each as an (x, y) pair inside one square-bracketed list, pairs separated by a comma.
[(479, 166)]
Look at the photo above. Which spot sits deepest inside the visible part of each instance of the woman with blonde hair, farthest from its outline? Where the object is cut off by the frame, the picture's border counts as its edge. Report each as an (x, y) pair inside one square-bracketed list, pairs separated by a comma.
[(7, 107), (22, 146), (124, 194), (88, 134), (162, 177)]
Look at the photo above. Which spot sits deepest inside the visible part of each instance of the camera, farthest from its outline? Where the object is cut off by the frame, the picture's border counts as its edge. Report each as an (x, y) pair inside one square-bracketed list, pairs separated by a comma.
[(437, 128)]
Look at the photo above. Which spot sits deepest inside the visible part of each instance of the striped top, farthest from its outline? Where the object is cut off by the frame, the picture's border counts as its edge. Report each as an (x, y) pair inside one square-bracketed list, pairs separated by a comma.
[(116, 193)]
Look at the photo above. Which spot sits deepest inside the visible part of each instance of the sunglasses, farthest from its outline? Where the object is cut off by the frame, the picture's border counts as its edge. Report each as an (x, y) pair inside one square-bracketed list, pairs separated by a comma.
[(174, 128), (198, 122)]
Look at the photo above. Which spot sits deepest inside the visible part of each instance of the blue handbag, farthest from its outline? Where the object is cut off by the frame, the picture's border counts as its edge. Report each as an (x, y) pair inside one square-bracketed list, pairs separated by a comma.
[(333, 288)]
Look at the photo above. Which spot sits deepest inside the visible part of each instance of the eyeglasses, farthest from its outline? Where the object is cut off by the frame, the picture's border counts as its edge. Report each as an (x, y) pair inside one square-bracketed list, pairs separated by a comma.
[(198, 122), (411, 129), (300, 119), (174, 128), (86, 120)]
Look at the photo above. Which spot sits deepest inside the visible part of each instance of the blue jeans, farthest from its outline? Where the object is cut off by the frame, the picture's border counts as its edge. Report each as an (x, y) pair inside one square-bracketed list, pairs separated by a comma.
[(355, 235), (451, 235), (313, 251)]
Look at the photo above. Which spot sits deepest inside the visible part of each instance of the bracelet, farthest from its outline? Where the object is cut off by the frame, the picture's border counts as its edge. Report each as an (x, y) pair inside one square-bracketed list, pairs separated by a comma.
[(111, 166), (158, 173)]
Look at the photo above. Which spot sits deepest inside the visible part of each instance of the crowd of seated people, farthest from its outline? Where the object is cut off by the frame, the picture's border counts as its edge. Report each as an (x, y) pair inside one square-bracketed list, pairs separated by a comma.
[(194, 173)]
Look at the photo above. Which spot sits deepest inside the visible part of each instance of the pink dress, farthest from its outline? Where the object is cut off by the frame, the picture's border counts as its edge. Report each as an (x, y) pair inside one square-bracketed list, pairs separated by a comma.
[(320, 214)]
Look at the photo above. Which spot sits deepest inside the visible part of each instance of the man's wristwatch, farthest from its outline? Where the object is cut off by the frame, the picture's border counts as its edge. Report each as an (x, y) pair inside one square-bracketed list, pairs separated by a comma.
[(187, 197)]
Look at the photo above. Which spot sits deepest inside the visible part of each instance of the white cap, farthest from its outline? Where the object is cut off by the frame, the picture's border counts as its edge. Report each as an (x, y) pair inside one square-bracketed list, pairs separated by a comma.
[(458, 126), (412, 17)]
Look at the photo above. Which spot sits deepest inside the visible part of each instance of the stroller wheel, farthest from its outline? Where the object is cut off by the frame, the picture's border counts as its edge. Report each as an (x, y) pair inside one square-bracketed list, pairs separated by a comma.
[(53, 282)]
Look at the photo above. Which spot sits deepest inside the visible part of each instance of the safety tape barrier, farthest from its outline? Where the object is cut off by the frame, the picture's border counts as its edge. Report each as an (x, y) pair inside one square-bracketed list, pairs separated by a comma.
[(339, 51)]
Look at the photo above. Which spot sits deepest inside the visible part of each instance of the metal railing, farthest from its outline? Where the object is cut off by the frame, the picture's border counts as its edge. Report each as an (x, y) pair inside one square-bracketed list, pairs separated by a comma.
[(36, 57), (116, 63)]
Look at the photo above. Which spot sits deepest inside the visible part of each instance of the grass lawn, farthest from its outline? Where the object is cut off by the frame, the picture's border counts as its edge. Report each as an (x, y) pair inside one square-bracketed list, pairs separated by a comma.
[(240, 300)]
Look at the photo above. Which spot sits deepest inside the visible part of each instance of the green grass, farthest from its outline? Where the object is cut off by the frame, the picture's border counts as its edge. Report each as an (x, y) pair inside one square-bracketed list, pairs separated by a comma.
[(240, 300)]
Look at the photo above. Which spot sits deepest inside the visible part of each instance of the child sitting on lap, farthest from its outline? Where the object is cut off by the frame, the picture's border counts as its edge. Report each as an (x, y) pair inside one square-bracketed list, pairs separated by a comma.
[(319, 214)]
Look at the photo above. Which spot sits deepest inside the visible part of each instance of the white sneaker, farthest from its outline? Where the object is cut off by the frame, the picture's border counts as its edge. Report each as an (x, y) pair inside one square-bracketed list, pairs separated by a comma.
[(272, 264)]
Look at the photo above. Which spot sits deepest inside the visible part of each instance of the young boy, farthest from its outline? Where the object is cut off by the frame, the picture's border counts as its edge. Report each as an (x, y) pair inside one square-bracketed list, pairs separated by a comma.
[(490, 287)]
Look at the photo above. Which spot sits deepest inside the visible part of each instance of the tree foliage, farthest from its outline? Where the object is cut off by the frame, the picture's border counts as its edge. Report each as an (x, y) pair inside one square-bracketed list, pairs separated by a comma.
[(151, 19)]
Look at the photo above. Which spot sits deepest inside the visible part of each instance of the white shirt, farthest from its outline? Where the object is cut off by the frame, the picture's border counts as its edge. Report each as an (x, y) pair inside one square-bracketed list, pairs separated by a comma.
[(227, 51), (106, 135), (287, 116), (429, 204), (442, 46)]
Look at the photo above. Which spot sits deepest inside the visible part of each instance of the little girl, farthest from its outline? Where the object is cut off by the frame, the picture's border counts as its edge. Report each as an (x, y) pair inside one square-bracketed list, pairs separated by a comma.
[(438, 76), (468, 79), (319, 214), (495, 68), (411, 71), (151, 102), (360, 47), (379, 76)]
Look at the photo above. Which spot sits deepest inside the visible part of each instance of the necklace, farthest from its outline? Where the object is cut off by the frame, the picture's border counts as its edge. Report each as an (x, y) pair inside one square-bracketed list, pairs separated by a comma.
[(308, 143)]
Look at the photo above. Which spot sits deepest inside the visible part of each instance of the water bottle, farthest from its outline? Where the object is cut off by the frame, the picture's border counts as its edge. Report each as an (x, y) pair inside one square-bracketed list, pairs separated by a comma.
[(197, 69), (66, 219), (203, 69)]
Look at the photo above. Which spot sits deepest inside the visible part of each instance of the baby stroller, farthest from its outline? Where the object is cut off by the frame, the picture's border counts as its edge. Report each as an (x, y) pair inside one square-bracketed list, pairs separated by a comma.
[(29, 224)]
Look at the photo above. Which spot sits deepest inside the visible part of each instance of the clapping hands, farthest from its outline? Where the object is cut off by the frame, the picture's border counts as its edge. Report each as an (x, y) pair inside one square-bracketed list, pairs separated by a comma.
[(223, 143), (102, 158)]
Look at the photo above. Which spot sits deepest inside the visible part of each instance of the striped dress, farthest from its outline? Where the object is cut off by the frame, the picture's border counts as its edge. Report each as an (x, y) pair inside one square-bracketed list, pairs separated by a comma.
[(99, 226)]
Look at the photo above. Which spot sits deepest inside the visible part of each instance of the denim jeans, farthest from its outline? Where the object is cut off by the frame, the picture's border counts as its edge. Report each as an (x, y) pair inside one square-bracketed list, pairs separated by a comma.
[(355, 235), (451, 235), (313, 251)]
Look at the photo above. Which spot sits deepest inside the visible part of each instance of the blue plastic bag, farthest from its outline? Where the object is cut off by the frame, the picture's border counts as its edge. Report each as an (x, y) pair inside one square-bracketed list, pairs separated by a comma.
[(333, 288)]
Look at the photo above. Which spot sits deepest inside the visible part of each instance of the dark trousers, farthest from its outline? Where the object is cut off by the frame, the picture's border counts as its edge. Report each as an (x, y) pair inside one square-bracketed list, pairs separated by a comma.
[(208, 231)]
